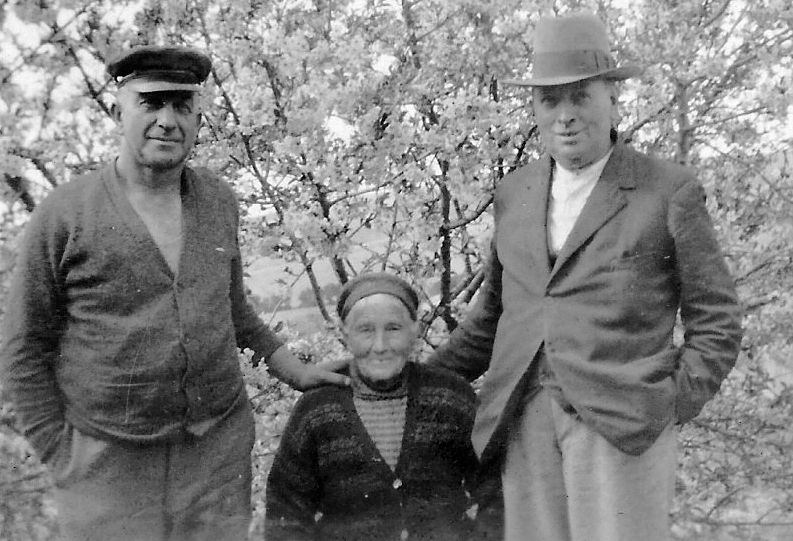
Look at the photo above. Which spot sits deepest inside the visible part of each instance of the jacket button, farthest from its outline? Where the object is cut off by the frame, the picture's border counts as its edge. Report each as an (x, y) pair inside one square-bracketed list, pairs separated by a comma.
[(404, 535), (397, 483)]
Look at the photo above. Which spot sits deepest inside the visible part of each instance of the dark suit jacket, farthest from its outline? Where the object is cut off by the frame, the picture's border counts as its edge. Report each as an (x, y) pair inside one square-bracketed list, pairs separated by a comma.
[(642, 248)]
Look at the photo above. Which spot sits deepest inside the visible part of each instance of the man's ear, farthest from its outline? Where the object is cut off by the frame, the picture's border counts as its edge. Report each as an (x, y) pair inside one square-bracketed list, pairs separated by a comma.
[(115, 112)]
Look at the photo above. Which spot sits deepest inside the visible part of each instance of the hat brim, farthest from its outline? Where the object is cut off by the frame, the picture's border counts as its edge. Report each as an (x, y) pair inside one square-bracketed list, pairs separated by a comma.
[(142, 85), (616, 74)]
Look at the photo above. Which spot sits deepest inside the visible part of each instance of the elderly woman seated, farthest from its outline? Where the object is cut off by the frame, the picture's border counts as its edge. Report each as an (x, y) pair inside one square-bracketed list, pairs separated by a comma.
[(388, 458)]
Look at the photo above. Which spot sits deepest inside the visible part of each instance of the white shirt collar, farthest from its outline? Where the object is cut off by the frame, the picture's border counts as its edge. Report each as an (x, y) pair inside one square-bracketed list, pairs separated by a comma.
[(570, 190), (578, 176)]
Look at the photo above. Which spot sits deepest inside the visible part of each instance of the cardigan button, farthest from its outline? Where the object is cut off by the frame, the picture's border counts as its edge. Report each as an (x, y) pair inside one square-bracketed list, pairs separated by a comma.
[(404, 534), (397, 483)]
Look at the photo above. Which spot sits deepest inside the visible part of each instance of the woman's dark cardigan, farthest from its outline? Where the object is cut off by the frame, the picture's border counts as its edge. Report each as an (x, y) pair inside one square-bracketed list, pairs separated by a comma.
[(329, 482)]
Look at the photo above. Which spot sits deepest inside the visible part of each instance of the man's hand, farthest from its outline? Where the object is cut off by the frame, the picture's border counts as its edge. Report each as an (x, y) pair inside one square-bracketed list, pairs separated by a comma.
[(289, 369), (314, 375)]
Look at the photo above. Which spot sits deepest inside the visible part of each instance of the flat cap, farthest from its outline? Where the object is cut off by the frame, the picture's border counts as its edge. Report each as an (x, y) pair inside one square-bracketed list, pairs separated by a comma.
[(154, 68)]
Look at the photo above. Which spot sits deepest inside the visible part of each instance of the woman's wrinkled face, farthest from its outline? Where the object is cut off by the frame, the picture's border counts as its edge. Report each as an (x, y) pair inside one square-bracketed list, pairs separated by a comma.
[(380, 334)]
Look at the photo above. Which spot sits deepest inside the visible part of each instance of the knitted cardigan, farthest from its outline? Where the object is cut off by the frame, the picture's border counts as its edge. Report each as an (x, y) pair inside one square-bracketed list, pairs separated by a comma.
[(329, 482), (100, 333)]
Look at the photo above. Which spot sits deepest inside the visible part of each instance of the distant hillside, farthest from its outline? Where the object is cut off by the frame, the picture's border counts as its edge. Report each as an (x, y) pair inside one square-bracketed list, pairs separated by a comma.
[(305, 321)]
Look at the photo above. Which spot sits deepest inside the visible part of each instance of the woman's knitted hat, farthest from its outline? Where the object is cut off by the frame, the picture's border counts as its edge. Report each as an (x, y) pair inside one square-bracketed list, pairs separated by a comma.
[(372, 283)]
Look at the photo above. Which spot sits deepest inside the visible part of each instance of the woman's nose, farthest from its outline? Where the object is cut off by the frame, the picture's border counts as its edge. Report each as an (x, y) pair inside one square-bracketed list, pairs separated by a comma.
[(379, 342)]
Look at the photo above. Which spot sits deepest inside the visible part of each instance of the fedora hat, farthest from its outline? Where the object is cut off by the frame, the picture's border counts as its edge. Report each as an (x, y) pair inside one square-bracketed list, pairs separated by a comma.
[(569, 49)]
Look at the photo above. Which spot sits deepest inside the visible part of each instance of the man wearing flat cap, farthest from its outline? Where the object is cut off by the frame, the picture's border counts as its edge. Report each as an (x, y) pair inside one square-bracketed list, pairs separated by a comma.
[(123, 326), (597, 249)]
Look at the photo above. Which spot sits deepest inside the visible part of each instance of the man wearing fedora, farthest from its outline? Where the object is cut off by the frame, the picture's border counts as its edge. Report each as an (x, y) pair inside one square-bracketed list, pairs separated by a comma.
[(596, 250), (123, 326)]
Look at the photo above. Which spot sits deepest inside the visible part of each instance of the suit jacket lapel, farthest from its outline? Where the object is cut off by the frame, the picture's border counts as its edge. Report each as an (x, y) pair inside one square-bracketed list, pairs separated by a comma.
[(536, 216), (604, 202)]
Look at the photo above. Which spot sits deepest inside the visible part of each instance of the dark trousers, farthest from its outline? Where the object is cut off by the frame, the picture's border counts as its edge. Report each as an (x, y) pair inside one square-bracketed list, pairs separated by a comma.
[(195, 490)]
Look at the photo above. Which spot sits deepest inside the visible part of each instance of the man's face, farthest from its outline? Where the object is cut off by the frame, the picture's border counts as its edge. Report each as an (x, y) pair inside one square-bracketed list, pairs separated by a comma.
[(159, 128), (575, 120)]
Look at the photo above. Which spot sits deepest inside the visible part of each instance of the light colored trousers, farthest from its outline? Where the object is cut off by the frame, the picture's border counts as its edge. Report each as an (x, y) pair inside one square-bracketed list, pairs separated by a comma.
[(197, 490), (564, 482)]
